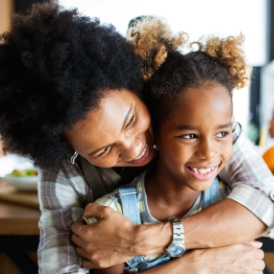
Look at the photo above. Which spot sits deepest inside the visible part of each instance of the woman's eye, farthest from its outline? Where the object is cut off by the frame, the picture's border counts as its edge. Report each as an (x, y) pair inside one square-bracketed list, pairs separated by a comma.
[(130, 121), (104, 151), (221, 134), (188, 136)]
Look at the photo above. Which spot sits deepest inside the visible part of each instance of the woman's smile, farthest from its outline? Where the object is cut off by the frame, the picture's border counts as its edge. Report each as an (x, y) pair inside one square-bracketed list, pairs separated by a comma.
[(116, 134)]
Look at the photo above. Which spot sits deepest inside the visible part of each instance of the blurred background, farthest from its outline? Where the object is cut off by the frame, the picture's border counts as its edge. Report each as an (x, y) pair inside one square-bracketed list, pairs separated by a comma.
[(253, 105)]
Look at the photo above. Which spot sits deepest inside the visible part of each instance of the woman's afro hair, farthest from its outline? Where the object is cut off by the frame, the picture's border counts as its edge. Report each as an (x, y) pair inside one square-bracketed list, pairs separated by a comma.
[(55, 65)]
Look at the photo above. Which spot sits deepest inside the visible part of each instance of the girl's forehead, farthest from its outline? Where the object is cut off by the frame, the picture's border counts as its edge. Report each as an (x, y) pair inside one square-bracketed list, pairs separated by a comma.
[(201, 103)]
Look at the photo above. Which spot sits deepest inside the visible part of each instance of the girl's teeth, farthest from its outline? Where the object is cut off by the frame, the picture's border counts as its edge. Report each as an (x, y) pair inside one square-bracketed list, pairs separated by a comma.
[(142, 154), (202, 170)]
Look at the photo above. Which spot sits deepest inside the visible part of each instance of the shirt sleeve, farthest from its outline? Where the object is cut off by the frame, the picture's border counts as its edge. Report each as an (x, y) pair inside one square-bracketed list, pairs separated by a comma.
[(63, 194), (250, 179)]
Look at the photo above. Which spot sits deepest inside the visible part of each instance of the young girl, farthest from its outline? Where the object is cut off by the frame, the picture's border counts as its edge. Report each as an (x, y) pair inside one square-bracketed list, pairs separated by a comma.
[(190, 99)]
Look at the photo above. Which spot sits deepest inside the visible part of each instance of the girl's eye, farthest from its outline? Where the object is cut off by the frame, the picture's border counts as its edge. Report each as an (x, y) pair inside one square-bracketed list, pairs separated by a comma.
[(104, 151), (188, 136), (221, 134), (130, 121)]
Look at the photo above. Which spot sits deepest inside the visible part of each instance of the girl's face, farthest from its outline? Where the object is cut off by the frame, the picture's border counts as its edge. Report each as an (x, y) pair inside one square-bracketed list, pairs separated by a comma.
[(196, 142), (116, 134)]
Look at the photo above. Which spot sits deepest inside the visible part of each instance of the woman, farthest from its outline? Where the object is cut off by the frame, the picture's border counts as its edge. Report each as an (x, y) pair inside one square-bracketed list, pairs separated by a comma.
[(69, 84)]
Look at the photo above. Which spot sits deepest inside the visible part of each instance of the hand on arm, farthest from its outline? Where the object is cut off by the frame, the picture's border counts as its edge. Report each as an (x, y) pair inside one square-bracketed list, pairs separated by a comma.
[(114, 239), (240, 258), (111, 240), (224, 223)]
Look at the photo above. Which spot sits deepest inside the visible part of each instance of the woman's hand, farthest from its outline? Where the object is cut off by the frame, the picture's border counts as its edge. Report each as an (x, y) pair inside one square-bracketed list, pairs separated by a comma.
[(240, 258), (113, 239), (235, 259)]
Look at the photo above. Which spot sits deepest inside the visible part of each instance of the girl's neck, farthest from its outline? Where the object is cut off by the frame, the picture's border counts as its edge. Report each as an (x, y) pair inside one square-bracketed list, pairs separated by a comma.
[(166, 197)]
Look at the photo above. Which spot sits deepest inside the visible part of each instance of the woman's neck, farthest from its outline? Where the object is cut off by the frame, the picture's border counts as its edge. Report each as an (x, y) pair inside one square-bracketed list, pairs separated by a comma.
[(166, 197)]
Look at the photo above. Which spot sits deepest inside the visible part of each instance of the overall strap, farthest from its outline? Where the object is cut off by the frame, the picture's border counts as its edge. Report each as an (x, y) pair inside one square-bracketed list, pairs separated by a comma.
[(93, 179), (127, 195), (212, 194)]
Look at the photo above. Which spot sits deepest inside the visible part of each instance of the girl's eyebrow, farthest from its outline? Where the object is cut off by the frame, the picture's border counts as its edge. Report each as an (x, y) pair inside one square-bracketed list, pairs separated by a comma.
[(229, 124), (187, 127), (123, 126)]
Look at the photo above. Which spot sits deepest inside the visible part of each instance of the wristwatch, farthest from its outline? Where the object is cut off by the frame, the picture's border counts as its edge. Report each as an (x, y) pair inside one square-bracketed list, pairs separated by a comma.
[(177, 246)]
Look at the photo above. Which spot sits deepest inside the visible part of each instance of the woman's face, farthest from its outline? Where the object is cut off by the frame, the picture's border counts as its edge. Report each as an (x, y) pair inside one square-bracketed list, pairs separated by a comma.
[(116, 134)]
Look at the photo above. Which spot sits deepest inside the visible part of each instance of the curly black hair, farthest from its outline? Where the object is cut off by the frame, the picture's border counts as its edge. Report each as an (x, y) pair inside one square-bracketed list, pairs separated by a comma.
[(55, 65), (168, 72), (178, 73)]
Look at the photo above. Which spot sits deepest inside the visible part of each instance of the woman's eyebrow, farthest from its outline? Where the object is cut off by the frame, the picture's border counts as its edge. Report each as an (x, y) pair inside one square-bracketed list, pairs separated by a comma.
[(126, 117), (123, 126)]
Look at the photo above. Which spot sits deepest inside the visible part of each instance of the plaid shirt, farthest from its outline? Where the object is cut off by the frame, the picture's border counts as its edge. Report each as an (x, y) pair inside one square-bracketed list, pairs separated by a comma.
[(64, 193)]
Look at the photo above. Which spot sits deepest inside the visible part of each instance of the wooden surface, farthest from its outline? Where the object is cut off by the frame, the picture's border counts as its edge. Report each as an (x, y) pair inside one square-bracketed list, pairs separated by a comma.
[(18, 219), (269, 260), (10, 194)]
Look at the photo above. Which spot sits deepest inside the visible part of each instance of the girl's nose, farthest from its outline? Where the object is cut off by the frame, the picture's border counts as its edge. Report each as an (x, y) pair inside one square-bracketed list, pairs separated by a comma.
[(206, 150)]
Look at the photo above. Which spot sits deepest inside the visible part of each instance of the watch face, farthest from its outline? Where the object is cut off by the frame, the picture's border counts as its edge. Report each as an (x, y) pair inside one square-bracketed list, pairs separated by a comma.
[(175, 250)]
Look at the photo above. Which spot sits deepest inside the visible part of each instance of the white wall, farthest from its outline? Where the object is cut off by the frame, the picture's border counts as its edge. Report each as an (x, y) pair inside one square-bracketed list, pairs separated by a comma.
[(197, 17)]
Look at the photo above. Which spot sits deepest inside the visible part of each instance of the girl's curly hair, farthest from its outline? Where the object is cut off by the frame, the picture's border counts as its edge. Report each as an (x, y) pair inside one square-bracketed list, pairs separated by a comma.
[(55, 65), (153, 39), (217, 61)]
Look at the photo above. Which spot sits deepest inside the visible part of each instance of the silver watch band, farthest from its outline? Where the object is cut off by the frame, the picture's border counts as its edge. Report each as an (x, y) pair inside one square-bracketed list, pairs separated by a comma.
[(177, 247), (178, 230)]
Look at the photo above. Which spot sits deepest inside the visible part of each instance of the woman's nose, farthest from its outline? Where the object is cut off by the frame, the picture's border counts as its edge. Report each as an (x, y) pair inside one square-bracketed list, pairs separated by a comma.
[(131, 147)]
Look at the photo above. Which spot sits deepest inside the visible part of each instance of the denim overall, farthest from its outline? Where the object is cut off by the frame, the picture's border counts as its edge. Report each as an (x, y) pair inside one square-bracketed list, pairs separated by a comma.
[(128, 198)]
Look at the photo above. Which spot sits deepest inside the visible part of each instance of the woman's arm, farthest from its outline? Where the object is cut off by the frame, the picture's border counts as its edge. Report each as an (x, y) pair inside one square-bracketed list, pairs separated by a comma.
[(62, 196), (241, 258), (116, 269), (115, 239), (228, 220)]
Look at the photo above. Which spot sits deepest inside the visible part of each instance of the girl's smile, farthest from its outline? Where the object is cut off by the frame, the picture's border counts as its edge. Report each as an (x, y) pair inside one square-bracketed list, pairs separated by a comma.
[(203, 173)]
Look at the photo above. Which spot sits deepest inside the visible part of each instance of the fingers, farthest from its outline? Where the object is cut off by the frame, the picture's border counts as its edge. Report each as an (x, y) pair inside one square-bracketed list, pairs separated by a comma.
[(89, 265), (84, 255), (259, 254), (77, 240), (256, 244), (259, 265), (94, 210), (78, 227)]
